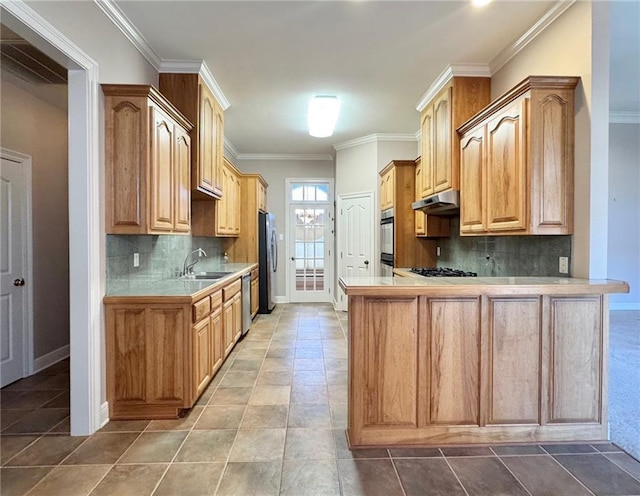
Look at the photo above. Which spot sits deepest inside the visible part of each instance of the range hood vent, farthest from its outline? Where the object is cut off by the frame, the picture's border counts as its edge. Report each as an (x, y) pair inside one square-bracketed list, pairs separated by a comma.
[(445, 203)]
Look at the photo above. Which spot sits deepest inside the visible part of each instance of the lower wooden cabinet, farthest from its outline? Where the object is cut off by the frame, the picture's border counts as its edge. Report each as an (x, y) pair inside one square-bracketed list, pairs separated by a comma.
[(162, 352), (255, 294), (476, 369)]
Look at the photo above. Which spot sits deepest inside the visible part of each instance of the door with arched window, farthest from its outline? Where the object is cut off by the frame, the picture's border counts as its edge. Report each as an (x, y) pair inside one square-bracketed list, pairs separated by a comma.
[(310, 246)]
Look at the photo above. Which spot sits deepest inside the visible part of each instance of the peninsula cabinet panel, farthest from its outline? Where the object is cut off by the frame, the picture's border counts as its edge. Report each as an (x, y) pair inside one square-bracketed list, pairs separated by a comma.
[(514, 385), (147, 147), (453, 362), (386, 385), (576, 357)]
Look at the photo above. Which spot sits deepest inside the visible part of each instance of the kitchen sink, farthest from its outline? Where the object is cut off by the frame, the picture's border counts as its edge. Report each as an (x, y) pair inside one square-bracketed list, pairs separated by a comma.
[(207, 275)]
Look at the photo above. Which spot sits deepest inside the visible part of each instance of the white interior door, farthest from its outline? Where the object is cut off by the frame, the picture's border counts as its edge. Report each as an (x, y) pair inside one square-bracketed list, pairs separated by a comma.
[(13, 292), (356, 227), (310, 249)]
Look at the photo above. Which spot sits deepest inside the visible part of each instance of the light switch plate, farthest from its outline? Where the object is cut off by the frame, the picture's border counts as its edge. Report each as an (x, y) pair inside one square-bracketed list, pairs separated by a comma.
[(136, 259)]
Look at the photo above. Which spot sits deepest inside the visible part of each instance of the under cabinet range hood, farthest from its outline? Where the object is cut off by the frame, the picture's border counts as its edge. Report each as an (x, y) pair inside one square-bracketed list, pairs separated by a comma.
[(444, 203)]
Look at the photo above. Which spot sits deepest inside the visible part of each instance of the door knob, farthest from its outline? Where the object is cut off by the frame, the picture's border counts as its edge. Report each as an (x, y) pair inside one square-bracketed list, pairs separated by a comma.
[(366, 262), (18, 282), (293, 258)]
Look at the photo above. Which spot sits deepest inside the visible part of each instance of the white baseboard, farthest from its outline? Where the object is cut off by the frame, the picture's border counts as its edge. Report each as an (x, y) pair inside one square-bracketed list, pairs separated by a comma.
[(280, 299), (624, 306), (50, 358), (104, 414)]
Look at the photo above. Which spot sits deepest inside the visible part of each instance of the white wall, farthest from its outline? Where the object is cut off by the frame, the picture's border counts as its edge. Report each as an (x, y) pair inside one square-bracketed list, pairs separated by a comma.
[(34, 127), (275, 172), (397, 150), (624, 212)]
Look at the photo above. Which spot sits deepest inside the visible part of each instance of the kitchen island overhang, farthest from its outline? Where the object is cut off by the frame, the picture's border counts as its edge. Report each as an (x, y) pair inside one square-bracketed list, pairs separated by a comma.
[(437, 361)]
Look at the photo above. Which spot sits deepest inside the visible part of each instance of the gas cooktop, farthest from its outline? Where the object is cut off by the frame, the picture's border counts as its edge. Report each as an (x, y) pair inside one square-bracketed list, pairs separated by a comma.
[(442, 272)]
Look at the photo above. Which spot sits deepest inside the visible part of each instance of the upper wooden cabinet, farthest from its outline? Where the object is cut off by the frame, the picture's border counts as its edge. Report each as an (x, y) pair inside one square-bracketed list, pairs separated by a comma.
[(387, 188), (147, 160), (457, 101), (190, 94), (221, 218), (517, 161)]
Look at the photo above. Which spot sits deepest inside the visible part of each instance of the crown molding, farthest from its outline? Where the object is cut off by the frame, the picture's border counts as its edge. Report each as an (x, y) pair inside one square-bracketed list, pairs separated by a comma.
[(374, 138), (285, 156), (230, 150), (543, 23), (454, 70), (122, 22), (196, 67), (624, 117)]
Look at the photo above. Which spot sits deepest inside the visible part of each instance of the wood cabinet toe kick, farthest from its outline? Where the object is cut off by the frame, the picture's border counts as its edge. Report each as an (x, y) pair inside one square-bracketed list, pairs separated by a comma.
[(431, 368)]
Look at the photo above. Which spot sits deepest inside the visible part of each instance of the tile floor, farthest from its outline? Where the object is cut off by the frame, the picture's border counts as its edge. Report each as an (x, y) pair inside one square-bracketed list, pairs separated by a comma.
[(272, 422)]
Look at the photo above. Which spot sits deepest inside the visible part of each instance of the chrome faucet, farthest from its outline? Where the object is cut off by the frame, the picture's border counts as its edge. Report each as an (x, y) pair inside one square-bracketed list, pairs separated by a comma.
[(187, 268)]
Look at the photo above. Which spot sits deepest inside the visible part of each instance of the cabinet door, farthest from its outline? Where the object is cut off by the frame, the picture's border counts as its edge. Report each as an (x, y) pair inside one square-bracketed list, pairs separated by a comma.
[(202, 356), (262, 197), (228, 326), (254, 297), (472, 182), (217, 340), (506, 169), (426, 157), (237, 316), (442, 171), (162, 178), (219, 140), (205, 174), (182, 189), (388, 189), (418, 215), (222, 206)]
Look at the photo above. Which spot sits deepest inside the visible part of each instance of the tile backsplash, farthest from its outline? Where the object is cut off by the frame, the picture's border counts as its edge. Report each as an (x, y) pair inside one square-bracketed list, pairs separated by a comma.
[(160, 256), (504, 255)]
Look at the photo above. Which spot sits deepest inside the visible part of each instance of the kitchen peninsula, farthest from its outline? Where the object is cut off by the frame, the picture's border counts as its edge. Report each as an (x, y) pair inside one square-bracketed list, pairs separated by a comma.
[(445, 360)]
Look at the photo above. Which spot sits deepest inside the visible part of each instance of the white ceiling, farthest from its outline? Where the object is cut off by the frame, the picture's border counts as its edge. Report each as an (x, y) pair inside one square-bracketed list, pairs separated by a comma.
[(379, 57)]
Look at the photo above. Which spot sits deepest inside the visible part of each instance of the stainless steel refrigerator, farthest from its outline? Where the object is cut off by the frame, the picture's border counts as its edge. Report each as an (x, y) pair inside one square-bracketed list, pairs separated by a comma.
[(268, 260)]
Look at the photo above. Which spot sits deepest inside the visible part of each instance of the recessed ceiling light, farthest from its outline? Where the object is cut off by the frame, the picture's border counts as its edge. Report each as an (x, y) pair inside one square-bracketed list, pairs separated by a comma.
[(323, 115), (480, 3)]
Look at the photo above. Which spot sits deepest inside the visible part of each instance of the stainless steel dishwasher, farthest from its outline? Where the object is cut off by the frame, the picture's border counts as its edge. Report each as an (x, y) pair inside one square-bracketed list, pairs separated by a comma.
[(246, 303)]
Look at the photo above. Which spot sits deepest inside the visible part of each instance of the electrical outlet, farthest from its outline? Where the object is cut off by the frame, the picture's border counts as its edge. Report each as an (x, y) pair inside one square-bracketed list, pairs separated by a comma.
[(437, 251), (136, 259), (563, 265)]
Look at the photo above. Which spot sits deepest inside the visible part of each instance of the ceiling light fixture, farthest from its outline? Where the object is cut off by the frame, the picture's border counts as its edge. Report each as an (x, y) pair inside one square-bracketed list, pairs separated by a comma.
[(323, 115), (480, 3)]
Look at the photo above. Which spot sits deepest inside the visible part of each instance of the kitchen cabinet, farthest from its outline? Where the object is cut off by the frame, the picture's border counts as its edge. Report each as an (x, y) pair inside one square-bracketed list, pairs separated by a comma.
[(221, 218), (458, 100), (409, 250), (387, 188), (191, 95), (516, 361), (516, 161), (162, 352), (428, 226), (147, 161), (253, 198)]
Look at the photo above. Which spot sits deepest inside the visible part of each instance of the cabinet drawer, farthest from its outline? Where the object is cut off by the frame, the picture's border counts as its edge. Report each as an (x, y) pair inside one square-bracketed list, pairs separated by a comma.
[(231, 289), (201, 309), (216, 300), (254, 274)]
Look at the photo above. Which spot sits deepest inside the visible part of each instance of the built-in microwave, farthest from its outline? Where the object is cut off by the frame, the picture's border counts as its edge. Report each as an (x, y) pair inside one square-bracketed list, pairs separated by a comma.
[(386, 234)]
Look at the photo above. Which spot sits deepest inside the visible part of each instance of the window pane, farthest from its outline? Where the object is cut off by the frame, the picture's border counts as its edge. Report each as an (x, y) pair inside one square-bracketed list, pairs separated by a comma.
[(322, 192), (296, 192)]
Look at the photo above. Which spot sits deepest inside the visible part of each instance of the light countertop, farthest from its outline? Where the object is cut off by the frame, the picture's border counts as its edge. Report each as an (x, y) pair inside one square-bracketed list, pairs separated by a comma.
[(175, 287), (419, 285)]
